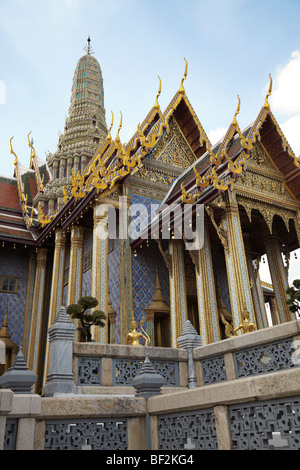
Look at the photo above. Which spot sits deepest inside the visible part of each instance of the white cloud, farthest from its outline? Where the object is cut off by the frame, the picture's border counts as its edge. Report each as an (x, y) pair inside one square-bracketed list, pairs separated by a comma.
[(216, 134), (291, 130), (285, 98)]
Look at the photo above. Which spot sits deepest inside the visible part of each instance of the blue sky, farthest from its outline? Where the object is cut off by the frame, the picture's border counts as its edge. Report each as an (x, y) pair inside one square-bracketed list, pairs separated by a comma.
[(231, 47)]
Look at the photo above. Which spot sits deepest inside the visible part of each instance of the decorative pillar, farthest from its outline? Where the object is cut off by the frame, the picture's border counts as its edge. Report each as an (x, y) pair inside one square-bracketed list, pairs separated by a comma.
[(62, 168), (69, 166), (60, 378), (178, 299), (206, 293), (30, 290), (189, 340), (126, 300), (75, 268), (279, 278), (57, 284), (236, 265), (37, 309), (100, 267), (256, 287)]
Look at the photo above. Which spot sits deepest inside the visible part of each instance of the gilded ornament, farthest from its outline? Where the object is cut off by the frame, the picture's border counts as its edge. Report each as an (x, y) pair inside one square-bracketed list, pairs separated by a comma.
[(266, 104), (133, 337), (181, 89), (246, 326)]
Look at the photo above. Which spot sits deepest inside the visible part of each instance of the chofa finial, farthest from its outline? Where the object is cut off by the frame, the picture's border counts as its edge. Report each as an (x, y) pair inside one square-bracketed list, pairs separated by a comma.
[(181, 89), (156, 106), (267, 105), (237, 111), (111, 125)]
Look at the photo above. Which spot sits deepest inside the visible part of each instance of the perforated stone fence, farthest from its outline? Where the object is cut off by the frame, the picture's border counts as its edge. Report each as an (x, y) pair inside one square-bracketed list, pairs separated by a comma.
[(248, 397)]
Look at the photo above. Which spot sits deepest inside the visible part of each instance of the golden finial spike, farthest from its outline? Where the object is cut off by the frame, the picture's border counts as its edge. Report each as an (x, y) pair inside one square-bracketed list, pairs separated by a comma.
[(120, 127), (11, 151), (266, 105), (111, 125), (237, 111), (29, 143), (181, 89), (156, 106)]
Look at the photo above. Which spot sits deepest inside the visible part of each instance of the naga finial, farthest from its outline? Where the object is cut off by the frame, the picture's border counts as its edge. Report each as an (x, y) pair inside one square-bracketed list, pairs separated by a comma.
[(120, 127), (11, 151), (156, 106), (181, 89), (234, 122), (267, 105), (111, 125)]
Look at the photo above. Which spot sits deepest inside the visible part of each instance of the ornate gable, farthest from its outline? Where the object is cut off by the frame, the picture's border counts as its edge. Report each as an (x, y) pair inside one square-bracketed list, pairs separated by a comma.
[(173, 149), (263, 179)]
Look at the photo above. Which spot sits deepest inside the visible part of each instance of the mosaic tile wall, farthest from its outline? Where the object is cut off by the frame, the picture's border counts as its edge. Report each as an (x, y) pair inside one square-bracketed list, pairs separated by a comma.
[(144, 267), (14, 264), (219, 267)]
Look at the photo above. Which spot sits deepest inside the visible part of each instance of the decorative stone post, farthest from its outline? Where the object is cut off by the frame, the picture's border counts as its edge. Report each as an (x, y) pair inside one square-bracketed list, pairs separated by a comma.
[(189, 340), (19, 378), (148, 383), (60, 377)]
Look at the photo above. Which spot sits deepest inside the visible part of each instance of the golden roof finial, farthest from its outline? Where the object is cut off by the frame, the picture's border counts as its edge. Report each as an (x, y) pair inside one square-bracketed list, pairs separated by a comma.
[(111, 125), (11, 151), (181, 89), (120, 127), (266, 105), (156, 106), (234, 122)]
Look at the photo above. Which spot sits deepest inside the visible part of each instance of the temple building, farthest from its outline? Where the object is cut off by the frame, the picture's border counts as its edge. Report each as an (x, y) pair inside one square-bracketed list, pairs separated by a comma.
[(55, 215)]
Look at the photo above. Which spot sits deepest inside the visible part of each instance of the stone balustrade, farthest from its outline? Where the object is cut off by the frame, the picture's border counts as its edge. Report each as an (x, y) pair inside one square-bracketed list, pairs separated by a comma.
[(248, 397)]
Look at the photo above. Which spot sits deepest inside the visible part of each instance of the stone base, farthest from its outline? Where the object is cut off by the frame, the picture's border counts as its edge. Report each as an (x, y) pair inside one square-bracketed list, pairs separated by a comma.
[(54, 386)]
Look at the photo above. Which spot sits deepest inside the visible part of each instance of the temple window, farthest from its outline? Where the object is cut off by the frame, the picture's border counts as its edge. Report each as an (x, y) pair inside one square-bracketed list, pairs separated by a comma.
[(9, 284)]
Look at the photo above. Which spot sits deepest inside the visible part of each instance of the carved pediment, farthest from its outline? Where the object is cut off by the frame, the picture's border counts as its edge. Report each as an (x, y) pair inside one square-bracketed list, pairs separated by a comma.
[(173, 149), (263, 179)]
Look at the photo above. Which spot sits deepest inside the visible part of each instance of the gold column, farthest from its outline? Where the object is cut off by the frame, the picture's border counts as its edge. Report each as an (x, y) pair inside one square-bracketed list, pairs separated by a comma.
[(279, 278), (75, 268), (111, 318), (37, 310), (126, 298), (178, 298), (206, 294), (256, 287), (57, 283), (100, 267), (236, 265)]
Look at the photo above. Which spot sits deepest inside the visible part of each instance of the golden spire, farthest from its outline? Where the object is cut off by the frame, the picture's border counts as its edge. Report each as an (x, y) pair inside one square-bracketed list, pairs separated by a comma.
[(234, 122), (181, 89), (30, 144), (120, 127), (11, 151), (266, 105), (111, 125), (156, 106), (34, 166)]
